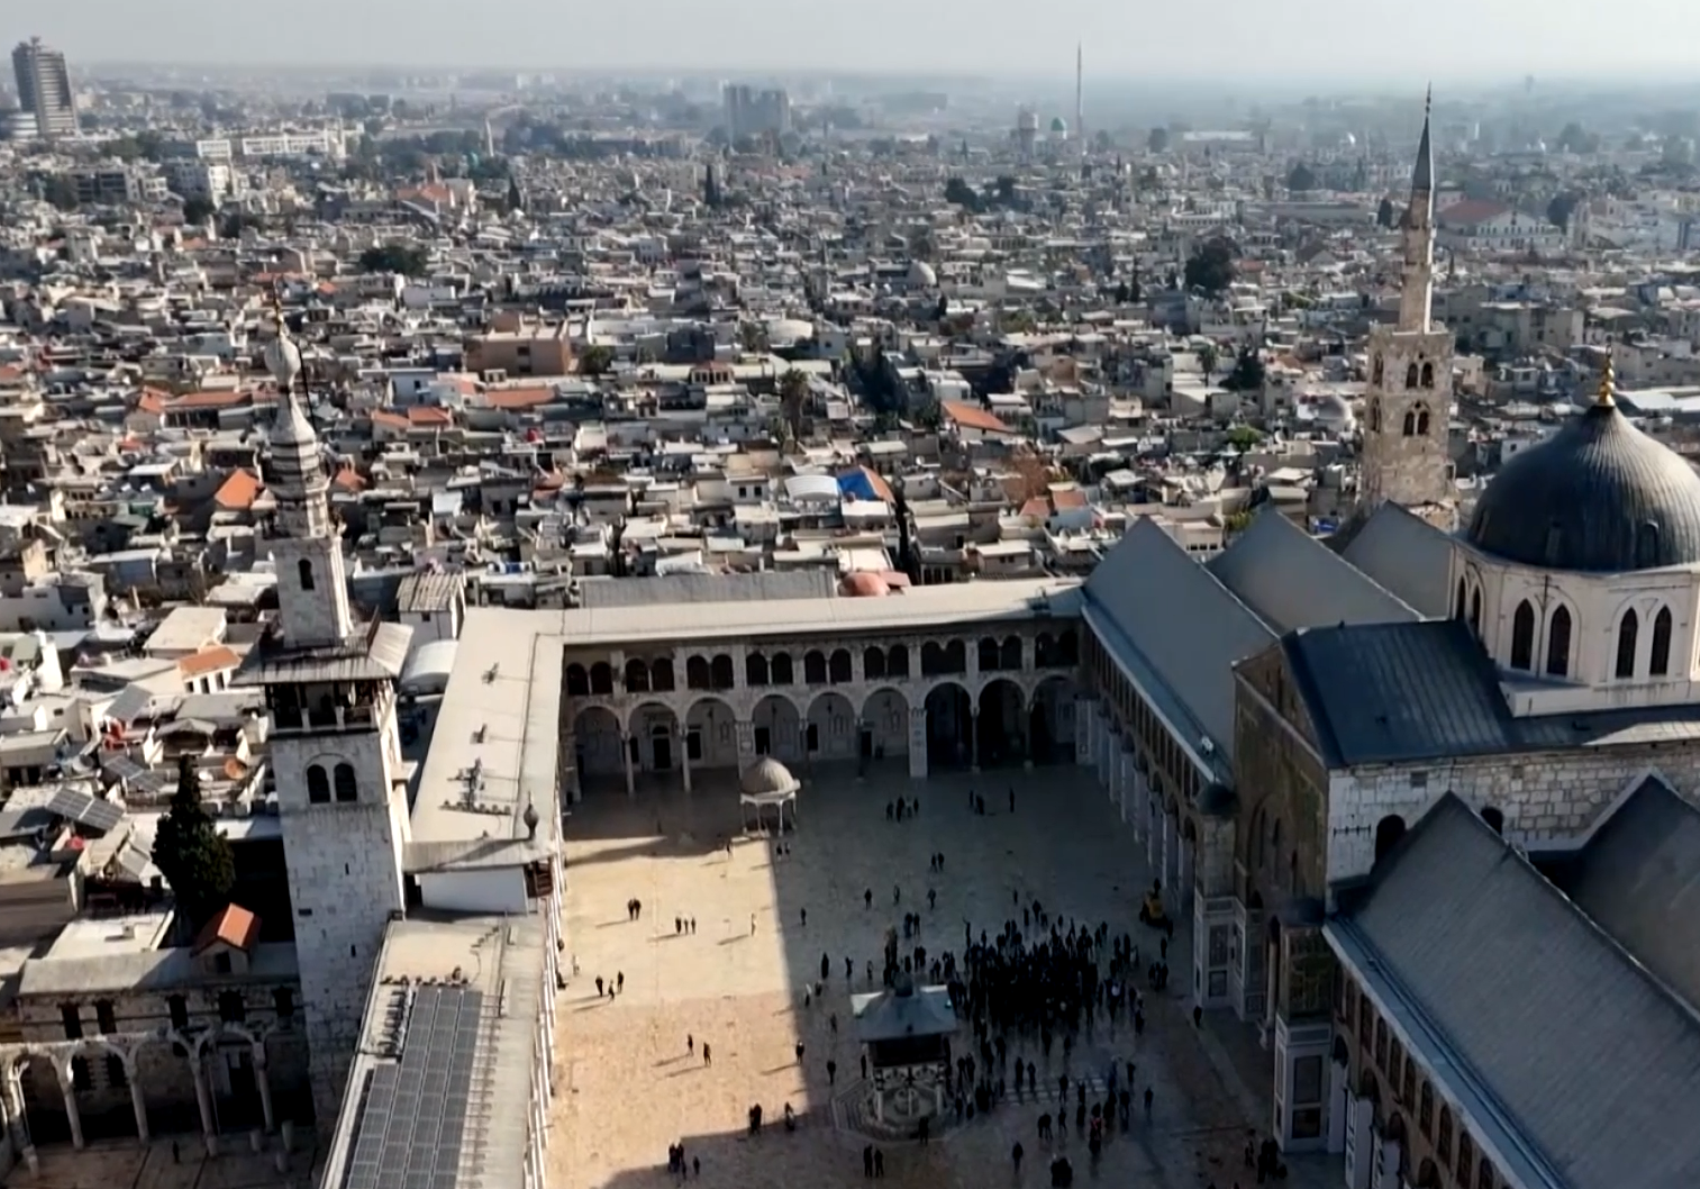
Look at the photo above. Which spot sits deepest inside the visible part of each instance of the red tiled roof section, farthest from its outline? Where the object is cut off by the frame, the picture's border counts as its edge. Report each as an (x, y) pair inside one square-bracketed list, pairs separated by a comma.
[(238, 492), (969, 417), (218, 399), (235, 926), (208, 660), (519, 398)]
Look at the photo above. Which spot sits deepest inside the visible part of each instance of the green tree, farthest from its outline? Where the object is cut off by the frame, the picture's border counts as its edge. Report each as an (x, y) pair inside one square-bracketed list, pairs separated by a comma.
[(1158, 141), (1207, 359), (1301, 178), (60, 191), (1384, 213), (752, 337), (1211, 267), (1559, 210), (793, 395), (189, 852), (959, 193), (595, 360), (197, 210), (1244, 437), (1247, 373), (398, 258)]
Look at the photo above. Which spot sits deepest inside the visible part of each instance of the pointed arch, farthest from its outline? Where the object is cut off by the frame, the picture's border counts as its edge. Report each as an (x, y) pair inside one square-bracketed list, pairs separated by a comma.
[(1476, 612), (347, 788), (1659, 664), (1523, 636), (755, 669), (1458, 600), (1428, 375), (304, 573), (1627, 629), (1558, 643), (1422, 421), (1410, 428), (318, 785), (1411, 376), (1375, 414), (1378, 371)]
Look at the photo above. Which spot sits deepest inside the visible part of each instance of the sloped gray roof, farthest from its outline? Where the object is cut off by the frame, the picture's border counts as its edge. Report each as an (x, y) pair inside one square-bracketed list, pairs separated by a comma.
[(1406, 556), (1293, 580), (1581, 1069), (709, 588), (1177, 626), (1639, 879)]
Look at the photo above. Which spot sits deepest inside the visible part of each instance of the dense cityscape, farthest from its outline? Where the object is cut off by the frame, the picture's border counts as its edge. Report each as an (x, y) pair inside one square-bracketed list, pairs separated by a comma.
[(505, 575)]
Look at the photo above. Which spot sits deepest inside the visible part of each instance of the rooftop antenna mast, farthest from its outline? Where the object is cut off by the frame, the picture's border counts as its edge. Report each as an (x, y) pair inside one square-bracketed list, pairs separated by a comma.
[(1080, 94)]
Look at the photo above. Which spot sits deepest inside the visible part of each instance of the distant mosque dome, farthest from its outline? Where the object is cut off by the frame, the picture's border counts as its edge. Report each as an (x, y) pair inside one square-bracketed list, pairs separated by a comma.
[(922, 276), (1059, 126)]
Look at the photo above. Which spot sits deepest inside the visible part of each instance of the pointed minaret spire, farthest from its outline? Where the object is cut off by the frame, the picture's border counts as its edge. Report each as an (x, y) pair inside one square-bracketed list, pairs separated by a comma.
[(1416, 298)]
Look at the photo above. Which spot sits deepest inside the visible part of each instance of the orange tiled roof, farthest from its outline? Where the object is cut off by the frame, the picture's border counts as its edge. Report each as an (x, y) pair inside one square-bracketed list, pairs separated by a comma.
[(235, 927), (238, 491), (349, 479), (385, 417), (429, 415), (970, 417), (519, 398), (209, 400), (1068, 497), (208, 660)]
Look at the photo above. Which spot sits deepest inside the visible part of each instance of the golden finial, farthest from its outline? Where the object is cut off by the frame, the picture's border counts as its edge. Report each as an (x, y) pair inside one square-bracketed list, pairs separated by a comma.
[(1608, 392)]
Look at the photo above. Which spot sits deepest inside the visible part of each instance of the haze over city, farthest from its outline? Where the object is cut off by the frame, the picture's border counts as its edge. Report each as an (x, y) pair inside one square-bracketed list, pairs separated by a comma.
[(1231, 44)]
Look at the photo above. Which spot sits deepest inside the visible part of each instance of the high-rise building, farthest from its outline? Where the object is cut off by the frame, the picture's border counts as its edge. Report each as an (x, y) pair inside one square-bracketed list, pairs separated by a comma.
[(753, 113), (44, 88)]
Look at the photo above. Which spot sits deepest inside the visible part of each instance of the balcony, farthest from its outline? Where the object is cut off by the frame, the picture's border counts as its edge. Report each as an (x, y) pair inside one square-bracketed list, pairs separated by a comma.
[(324, 717)]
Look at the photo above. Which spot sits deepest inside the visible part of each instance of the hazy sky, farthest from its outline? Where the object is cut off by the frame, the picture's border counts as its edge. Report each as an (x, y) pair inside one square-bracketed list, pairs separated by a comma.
[(1298, 41)]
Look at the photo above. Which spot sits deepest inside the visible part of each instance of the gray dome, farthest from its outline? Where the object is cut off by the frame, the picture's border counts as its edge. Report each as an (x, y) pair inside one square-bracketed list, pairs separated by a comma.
[(766, 777), (1598, 496)]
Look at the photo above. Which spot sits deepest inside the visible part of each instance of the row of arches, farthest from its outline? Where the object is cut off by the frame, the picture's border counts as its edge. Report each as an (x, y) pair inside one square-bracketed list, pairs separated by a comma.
[(1416, 422), (763, 669), (1416, 376), (1627, 661), (1555, 656), (340, 779), (1003, 724)]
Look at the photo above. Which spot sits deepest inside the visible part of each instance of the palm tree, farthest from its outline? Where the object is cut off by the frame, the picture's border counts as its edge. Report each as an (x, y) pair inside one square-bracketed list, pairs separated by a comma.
[(793, 392), (1207, 359)]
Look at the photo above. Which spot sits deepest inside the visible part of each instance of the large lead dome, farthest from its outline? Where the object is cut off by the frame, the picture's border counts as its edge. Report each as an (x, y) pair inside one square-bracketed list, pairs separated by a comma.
[(1599, 496)]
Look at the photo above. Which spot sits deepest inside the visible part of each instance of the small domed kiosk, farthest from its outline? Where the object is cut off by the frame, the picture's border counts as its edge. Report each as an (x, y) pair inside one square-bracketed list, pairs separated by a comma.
[(764, 784)]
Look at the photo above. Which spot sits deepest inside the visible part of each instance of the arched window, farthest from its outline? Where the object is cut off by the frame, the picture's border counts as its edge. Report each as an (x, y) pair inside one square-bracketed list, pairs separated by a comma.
[(696, 672), (1661, 643), (318, 785), (1378, 372), (1410, 423), (1009, 655), (1408, 1087), (1647, 546), (1443, 1144), (661, 676), (1411, 376), (346, 789), (1558, 643), (637, 676), (720, 672), (897, 661), (1425, 1109), (1476, 612), (1388, 831), (1523, 636), (304, 570), (1422, 421), (578, 681), (1495, 818), (602, 678), (1484, 1174), (1466, 1159), (1381, 1044), (1627, 628), (839, 668), (988, 655), (873, 663), (755, 669), (1458, 604), (1375, 414), (177, 1007), (814, 668), (1428, 375)]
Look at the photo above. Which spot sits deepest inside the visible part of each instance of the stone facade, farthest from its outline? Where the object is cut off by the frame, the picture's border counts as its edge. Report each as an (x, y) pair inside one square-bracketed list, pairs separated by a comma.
[(680, 709), (1407, 409)]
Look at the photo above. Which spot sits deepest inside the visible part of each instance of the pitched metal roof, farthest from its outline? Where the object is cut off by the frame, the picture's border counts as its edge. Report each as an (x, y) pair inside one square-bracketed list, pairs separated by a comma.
[(1293, 580), (1639, 879), (1178, 625), (1404, 554), (1567, 1058)]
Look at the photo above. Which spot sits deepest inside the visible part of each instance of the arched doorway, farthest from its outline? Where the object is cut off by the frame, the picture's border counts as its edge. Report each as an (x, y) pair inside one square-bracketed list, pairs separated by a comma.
[(598, 749), (1003, 724), (654, 738), (711, 734), (778, 728), (950, 727), (1388, 831), (830, 733), (885, 724), (1050, 726)]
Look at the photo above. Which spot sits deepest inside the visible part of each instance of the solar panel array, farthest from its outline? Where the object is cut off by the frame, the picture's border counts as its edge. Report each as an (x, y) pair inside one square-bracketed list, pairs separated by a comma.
[(415, 1114), (86, 810)]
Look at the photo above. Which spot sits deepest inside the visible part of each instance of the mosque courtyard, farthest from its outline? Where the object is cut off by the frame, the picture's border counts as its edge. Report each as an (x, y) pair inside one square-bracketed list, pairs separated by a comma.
[(628, 1087)]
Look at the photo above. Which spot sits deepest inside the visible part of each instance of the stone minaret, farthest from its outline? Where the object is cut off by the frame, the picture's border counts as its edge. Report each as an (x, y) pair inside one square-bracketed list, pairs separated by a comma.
[(1408, 402), (334, 750)]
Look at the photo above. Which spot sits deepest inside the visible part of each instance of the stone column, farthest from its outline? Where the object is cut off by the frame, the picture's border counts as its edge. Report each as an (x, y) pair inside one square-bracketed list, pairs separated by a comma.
[(631, 777), (1154, 836), (918, 742), (203, 1099), (1129, 778), (1184, 879), (138, 1105), (1166, 857), (74, 1117), (262, 1078), (974, 737), (685, 757), (1084, 709), (575, 787), (16, 1124), (1140, 794), (746, 729)]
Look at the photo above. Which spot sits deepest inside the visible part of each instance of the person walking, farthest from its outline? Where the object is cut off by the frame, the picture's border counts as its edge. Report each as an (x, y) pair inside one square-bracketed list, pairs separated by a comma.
[(707, 1057), (831, 1072), (690, 1044), (879, 1164), (752, 924), (867, 1162), (1015, 1155), (599, 986)]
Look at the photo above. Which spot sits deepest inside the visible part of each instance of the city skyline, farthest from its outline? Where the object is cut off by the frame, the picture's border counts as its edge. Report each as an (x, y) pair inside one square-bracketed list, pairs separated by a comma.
[(1247, 44)]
